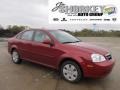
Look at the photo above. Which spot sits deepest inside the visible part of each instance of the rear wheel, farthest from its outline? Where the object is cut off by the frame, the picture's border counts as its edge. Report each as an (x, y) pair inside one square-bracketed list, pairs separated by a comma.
[(16, 57), (71, 71)]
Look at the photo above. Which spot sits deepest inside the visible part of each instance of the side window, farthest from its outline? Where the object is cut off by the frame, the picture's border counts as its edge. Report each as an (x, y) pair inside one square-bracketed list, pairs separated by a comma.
[(18, 36), (40, 36), (27, 35)]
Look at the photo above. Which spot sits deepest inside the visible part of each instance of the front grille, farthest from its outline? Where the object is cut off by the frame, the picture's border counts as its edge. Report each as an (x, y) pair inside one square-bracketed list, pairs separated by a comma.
[(108, 56)]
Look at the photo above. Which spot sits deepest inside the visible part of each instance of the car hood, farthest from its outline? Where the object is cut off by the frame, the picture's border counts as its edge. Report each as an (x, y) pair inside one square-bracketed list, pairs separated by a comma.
[(90, 48)]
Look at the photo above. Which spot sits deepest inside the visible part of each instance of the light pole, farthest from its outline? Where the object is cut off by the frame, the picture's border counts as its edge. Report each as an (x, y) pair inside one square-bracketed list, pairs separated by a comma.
[(94, 27)]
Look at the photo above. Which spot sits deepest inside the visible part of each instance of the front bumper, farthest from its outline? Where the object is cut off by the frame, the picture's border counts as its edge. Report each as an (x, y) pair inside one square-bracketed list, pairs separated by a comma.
[(97, 70)]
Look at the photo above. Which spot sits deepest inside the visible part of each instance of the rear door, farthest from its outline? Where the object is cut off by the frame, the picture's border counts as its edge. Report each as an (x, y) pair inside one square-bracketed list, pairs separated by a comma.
[(25, 44)]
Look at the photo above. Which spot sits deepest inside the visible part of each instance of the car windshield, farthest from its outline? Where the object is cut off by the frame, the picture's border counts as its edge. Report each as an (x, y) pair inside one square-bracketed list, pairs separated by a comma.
[(63, 37)]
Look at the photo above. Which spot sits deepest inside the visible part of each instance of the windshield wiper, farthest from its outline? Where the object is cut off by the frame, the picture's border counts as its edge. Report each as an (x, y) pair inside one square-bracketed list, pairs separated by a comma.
[(77, 41), (71, 42), (68, 42)]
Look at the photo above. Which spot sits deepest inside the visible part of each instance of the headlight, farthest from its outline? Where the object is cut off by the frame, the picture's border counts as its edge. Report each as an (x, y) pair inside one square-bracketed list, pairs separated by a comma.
[(97, 58)]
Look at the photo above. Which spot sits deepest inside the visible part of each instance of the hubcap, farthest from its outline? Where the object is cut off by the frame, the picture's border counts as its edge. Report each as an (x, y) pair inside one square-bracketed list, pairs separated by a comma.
[(15, 56), (70, 72)]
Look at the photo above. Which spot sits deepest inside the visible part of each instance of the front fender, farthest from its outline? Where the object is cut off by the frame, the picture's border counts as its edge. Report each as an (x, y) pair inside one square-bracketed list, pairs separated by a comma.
[(64, 57), (13, 47)]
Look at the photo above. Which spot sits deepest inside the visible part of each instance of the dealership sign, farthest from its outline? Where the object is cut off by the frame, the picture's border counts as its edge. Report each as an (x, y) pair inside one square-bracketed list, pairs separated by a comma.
[(83, 11)]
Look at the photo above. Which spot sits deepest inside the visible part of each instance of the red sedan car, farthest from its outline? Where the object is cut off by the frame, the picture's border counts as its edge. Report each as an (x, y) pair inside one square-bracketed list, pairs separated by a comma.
[(61, 51)]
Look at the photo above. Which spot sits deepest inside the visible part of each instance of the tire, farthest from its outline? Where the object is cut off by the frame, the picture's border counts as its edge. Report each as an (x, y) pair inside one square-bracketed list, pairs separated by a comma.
[(16, 57), (71, 71)]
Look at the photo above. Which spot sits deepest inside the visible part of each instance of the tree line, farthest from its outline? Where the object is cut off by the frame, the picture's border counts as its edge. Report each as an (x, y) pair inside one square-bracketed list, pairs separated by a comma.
[(10, 31), (91, 33), (13, 30)]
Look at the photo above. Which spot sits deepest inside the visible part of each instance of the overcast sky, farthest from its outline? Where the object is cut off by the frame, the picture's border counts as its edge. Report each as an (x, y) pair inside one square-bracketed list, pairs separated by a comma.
[(34, 13)]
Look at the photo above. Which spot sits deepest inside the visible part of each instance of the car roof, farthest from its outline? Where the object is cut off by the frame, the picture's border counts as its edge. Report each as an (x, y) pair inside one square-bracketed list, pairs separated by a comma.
[(44, 29)]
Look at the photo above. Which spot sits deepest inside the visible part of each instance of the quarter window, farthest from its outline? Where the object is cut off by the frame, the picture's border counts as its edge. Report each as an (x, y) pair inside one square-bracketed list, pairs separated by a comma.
[(27, 35)]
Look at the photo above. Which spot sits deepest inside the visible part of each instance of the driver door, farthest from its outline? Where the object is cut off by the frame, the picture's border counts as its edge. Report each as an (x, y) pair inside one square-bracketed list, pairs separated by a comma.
[(43, 53)]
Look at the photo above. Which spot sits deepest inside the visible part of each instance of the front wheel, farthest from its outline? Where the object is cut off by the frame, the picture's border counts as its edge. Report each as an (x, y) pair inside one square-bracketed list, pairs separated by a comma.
[(71, 71), (16, 57)]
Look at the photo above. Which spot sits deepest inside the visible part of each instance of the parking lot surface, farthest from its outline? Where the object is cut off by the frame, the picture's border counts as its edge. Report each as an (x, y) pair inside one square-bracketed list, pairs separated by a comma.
[(30, 76)]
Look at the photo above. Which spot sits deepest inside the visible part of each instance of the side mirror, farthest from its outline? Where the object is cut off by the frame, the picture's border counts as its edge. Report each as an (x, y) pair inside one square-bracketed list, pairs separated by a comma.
[(47, 41)]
